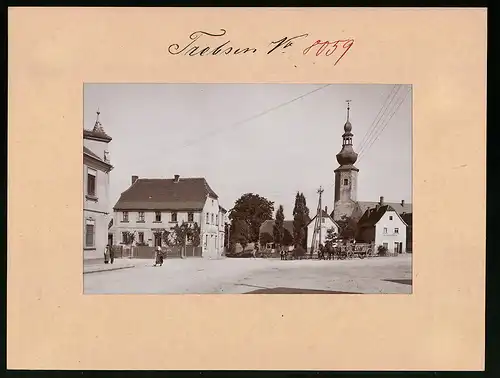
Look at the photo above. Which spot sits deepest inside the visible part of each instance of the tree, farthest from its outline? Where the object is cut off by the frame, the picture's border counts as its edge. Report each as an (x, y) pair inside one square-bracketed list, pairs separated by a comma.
[(227, 233), (181, 234), (163, 235), (129, 237), (254, 210), (166, 237), (195, 235), (331, 236), (347, 227), (278, 229), (300, 220), (304, 202), (240, 232)]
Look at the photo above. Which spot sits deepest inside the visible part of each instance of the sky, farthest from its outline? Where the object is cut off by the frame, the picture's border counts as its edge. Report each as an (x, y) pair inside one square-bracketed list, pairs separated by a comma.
[(252, 138)]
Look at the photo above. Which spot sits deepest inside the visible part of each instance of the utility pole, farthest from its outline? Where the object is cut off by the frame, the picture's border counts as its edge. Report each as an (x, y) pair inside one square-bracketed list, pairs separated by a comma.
[(320, 212), (317, 224)]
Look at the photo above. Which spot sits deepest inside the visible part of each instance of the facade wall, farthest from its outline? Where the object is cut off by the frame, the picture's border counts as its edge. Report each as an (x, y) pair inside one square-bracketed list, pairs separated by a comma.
[(213, 226), (149, 224), (96, 209), (385, 232), (326, 225)]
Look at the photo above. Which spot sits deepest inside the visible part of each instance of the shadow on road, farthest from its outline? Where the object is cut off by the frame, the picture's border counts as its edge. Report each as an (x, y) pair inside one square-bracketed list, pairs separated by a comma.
[(288, 290), (403, 282)]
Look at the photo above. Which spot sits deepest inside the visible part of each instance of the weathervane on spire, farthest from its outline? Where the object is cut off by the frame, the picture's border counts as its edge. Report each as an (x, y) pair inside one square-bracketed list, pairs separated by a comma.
[(348, 108), (97, 126)]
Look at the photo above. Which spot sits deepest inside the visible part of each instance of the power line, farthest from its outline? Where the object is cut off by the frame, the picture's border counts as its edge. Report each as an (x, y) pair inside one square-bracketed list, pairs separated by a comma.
[(217, 131), (363, 141), (386, 123), (381, 122), (376, 123)]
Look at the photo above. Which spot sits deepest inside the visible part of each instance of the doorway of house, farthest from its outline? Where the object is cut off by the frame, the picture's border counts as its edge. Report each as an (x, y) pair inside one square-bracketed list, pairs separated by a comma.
[(400, 247), (110, 239), (157, 240), (396, 248)]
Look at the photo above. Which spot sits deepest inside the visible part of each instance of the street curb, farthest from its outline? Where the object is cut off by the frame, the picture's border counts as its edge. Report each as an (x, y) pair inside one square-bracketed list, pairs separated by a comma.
[(108, 270)]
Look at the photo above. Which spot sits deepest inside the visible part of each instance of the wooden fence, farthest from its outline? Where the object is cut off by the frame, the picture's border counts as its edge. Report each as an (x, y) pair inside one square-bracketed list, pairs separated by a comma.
[(146, 252)]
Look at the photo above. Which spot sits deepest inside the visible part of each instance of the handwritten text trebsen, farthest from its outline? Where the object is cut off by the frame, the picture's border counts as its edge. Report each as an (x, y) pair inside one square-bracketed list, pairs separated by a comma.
[(203, 43)]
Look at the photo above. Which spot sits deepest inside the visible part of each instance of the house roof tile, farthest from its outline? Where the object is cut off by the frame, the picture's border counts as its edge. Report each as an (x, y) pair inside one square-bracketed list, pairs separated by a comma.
[(373, 215), (397, 206), (324, 214), (408, 218), (166, 194), (96, 134), (268, 226)]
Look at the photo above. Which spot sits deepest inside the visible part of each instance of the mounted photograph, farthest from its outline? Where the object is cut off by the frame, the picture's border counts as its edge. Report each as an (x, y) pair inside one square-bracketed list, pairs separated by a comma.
[(247, 189)]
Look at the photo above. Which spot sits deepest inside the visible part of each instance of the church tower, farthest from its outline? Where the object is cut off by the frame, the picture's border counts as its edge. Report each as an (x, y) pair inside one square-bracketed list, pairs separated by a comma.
[(346, 175)]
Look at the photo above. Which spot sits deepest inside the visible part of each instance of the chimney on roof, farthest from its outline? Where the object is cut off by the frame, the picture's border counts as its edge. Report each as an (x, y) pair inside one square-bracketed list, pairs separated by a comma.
[(326, 209), (176, 178), (134, 179), (381, 201), (402, 202)]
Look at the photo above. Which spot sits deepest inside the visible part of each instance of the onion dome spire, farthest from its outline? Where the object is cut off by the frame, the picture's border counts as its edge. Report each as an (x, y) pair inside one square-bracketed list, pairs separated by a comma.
[(347, 156)]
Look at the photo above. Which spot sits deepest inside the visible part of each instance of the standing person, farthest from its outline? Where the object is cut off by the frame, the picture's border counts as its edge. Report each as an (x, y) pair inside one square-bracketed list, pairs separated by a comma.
[(106, 254), (255, 249), (157, 255), (161, 256), (282, 254), (111, 254)]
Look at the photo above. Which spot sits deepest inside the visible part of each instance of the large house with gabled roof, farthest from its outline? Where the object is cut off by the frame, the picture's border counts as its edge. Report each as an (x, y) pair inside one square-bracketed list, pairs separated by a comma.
[(151, 204), (96, 206), (383, 226)]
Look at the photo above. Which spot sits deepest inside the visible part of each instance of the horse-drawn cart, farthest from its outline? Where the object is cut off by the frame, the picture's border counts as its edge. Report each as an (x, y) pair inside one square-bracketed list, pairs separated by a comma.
[(362, 250), (351, 250)]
